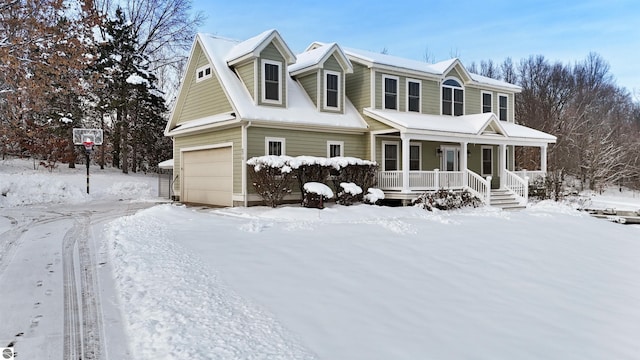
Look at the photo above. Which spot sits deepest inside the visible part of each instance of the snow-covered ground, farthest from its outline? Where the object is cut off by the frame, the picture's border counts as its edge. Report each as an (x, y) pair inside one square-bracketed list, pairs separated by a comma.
[(358, 282)]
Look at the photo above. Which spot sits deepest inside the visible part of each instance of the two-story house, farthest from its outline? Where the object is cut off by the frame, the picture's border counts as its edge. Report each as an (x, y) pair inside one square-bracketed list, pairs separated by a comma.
[(429, 126)]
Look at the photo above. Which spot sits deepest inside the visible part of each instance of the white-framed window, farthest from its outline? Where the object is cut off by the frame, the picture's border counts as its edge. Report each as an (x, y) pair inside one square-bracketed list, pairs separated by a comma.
[(390, 92), (203, 73), (390, 155), (335, 148), (486, 167), (415, 156), (274, 146), (414, 89), (332, 90), (487, 101), (271, 81), (503, 106), (452, 97)]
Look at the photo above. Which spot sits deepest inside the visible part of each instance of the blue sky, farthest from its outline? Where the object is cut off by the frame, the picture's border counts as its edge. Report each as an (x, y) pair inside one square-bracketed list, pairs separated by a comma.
[(563, 31)]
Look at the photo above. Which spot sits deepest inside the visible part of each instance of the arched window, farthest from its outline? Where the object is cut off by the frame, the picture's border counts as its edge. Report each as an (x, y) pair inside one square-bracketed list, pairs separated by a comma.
[(452, 98)]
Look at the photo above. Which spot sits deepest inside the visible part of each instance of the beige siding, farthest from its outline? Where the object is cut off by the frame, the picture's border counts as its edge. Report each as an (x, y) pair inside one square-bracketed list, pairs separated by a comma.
[(454, 73), (402, 92), (359, 86), (304, 142), (200, 99), (472, 101), (246, 73), (271, 53), (233, 136), (310, 84), (430, 97)]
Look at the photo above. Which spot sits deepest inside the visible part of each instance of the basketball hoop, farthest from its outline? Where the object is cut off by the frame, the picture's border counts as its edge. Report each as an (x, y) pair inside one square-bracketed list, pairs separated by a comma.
[(88, 144)]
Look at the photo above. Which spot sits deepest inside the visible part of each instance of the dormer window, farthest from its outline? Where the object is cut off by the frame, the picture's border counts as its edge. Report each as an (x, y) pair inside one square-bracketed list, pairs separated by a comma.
[(271, 81), (203, 73), (452, 98), (332, 90), (390, 90)]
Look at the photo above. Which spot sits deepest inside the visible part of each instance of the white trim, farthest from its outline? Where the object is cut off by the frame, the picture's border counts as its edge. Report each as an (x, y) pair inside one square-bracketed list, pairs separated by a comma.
[(419, 82), (482, 160), (256, 80), (339, 95), (482, 93), (397, 145), (339, 143), (263, 81), (372, 89), (205, 147), (318, 89), (267, 140), (384, 98), (419, 145), (204, 76), (443, 157), (453, 95), (498, 112)]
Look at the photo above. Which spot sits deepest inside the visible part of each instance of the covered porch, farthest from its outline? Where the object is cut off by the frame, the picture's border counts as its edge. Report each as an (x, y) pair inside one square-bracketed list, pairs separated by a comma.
[(476, 154)]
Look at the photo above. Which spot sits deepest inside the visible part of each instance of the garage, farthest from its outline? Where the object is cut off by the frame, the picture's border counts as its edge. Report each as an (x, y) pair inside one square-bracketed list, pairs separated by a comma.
[(208, 176)]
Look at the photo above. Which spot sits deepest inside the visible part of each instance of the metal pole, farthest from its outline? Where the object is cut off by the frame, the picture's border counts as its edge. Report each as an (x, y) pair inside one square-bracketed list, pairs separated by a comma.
[(87, 160)]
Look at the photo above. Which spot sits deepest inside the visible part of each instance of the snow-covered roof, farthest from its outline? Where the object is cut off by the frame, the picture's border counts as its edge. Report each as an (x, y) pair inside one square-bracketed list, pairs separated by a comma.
[(299, 110), (167, 164), (472, 125), (253, 45), (437, 69), (313, 58)]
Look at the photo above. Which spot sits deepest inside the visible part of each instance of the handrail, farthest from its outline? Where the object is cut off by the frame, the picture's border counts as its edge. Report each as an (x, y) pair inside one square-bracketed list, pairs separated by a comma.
[(479, 186), (517, 185)]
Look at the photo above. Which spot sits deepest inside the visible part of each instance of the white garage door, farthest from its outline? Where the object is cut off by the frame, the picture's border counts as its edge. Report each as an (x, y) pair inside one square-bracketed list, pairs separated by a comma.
[(208, 177)]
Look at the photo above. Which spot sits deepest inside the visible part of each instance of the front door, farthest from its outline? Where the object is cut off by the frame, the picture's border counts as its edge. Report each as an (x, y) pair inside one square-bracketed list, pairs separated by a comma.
[(450, 158)]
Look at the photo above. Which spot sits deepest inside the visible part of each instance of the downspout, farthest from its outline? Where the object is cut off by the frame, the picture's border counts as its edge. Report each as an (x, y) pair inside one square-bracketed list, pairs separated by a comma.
[(245, 190)]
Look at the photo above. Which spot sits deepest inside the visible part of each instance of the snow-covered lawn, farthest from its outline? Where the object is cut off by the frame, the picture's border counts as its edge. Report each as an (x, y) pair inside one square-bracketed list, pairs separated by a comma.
[(366, 282), (358, 282)]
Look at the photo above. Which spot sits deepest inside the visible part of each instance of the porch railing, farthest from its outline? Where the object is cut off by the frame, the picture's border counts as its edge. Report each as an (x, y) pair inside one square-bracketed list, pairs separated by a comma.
[(435, 180), (478, 186), (517, 185), (533, 175)]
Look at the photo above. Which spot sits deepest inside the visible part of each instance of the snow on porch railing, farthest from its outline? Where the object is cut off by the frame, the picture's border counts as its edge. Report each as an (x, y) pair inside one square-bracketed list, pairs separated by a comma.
[(478, 186), (517, 185), (533, 175)]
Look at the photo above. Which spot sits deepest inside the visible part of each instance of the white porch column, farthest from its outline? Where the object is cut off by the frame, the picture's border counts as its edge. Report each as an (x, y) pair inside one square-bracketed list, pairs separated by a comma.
[(463, 162), (543, 158), (502, 161), (406, 141)]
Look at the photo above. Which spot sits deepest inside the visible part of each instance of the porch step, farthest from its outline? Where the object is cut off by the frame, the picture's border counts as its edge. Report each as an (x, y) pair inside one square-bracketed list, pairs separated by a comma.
[(505, 200)]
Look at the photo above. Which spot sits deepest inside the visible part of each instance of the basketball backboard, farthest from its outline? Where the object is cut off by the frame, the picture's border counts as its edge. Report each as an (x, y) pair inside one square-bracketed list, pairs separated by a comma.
[(80, 136)]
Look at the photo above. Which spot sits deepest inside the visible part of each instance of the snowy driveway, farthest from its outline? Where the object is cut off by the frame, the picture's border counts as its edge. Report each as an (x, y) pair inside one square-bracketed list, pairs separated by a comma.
[(49, 277)]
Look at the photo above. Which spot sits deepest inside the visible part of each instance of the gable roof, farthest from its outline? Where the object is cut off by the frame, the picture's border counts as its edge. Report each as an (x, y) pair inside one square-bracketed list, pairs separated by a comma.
[(472, 126), (300, 110), (252, 47), (313, 59), (438, 69)]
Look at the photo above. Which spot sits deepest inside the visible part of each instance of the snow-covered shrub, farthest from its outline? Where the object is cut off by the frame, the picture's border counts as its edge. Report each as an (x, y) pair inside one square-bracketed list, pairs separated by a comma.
[(310, 169), (315, 194), (354, 170), (374, 196), (271, 177), (348, 194), (447, 200)]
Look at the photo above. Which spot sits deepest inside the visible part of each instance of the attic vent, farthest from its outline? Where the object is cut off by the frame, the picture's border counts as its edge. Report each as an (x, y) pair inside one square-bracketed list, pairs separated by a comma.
[(203, 73)]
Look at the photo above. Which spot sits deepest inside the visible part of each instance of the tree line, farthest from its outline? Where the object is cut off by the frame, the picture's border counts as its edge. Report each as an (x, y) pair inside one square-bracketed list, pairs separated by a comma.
[(597, 122), (91, 64)]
